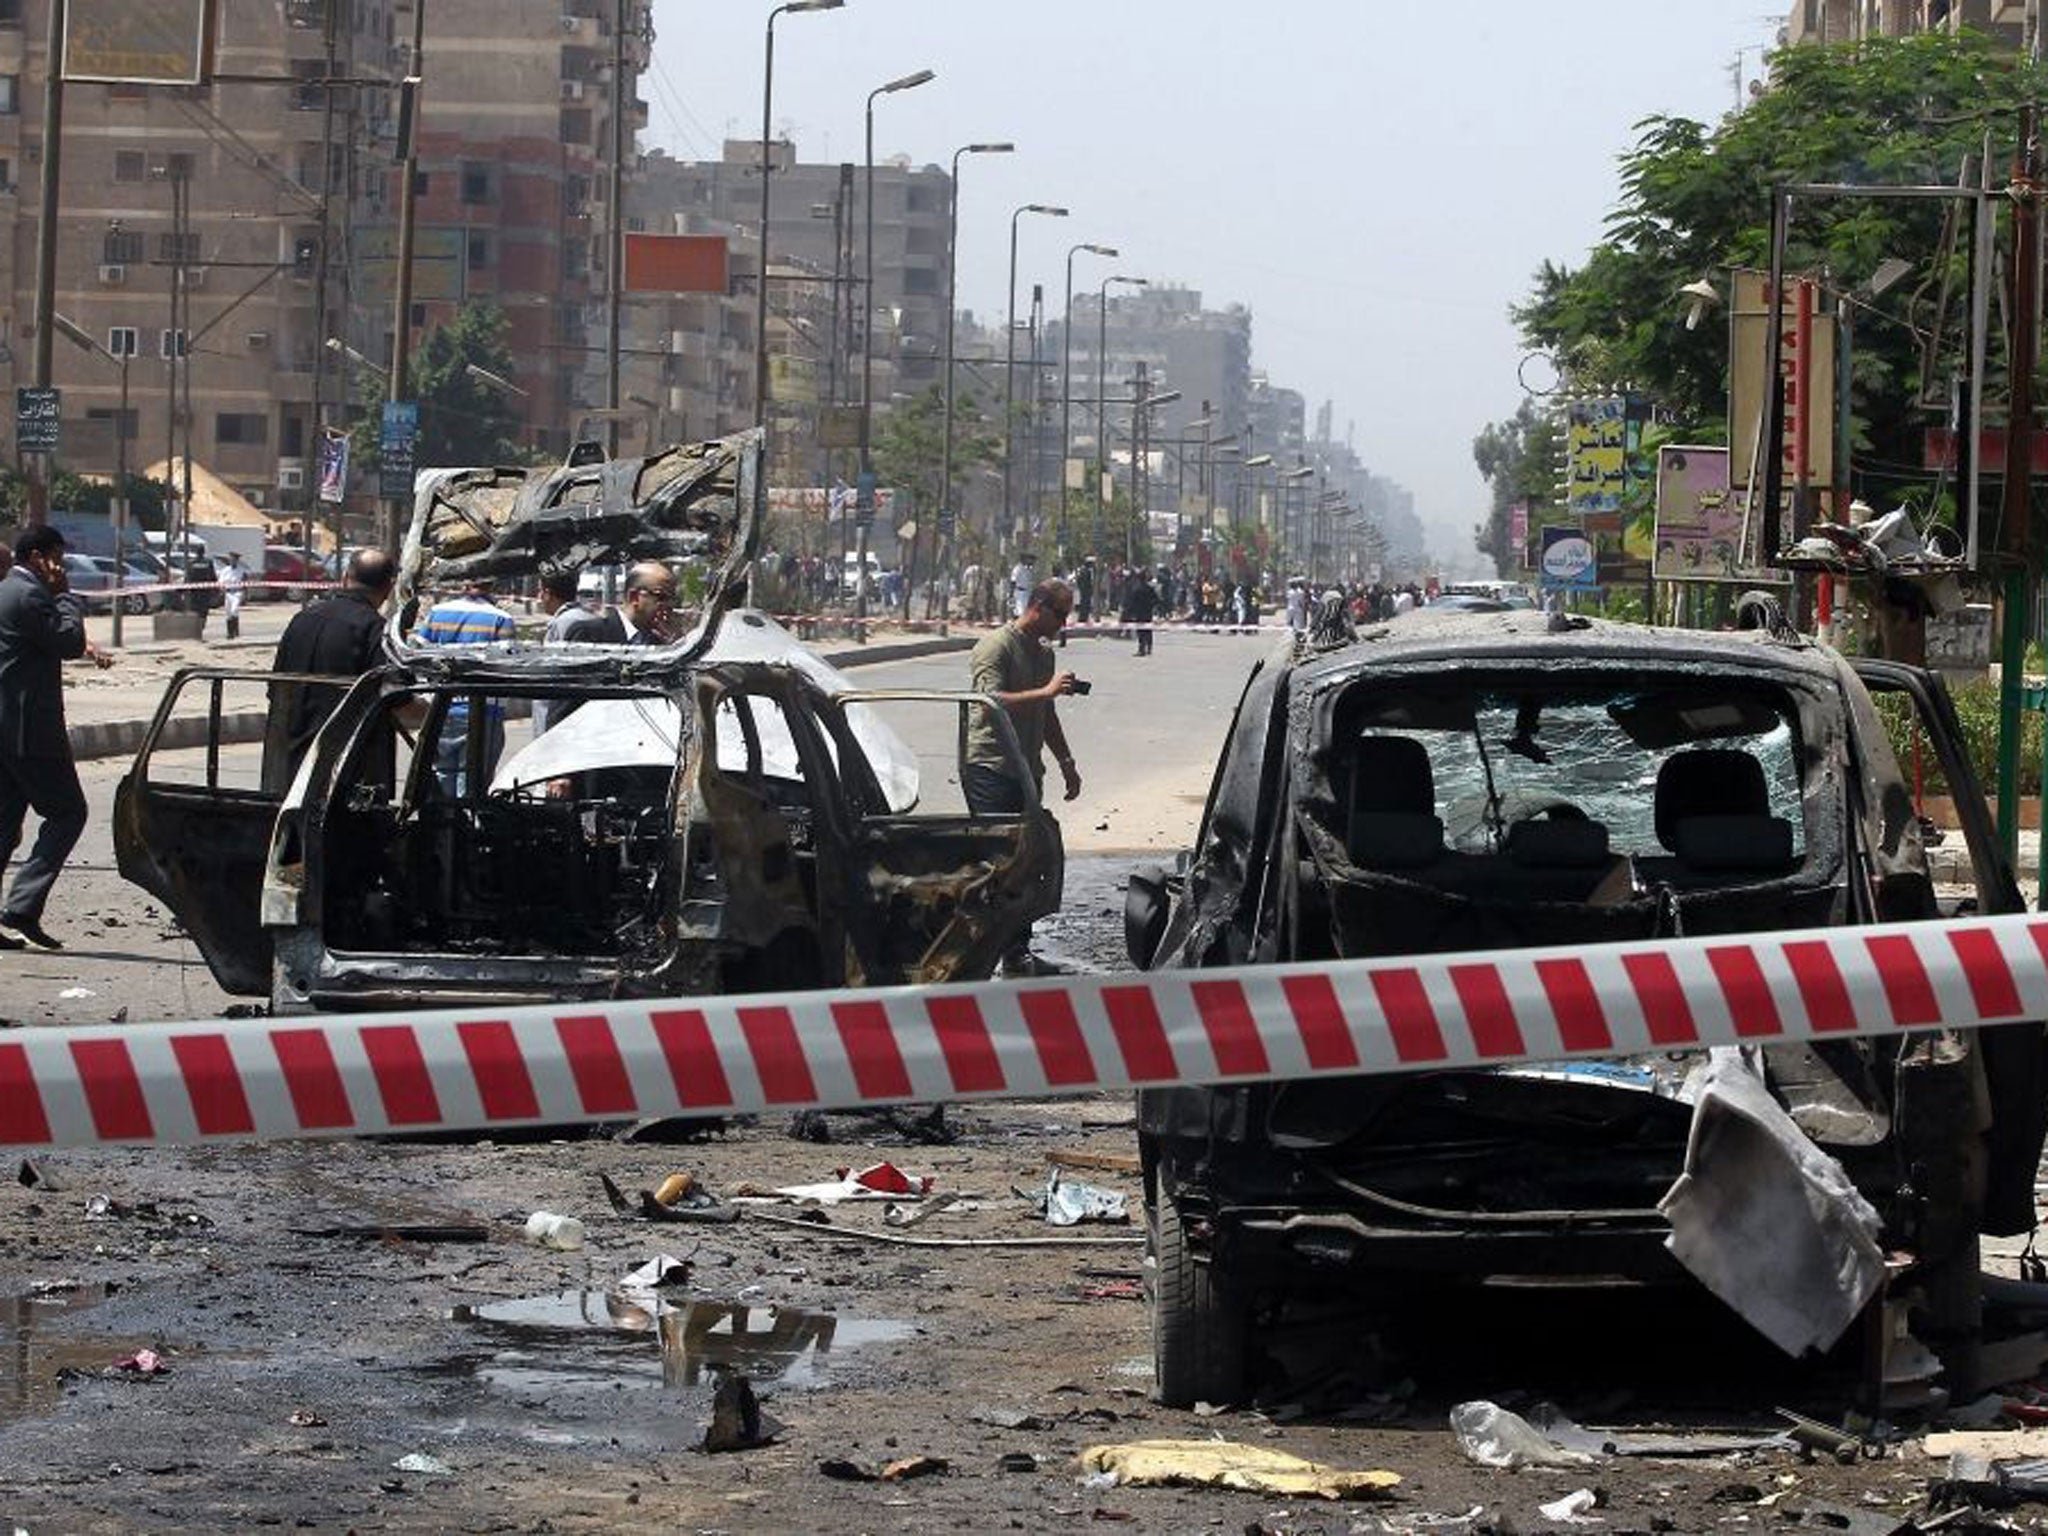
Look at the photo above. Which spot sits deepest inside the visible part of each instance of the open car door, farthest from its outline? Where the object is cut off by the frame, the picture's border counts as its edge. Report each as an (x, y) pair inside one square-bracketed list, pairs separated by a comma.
[(936, 891), (193, 820), (2015, 1055)]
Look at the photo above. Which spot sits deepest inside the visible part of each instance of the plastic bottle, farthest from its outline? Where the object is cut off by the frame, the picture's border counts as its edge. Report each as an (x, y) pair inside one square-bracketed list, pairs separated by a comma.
[(548, 1230)]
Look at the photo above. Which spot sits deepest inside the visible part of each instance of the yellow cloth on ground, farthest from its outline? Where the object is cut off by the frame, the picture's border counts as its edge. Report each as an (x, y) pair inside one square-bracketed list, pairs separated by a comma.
[(1226, 1464)]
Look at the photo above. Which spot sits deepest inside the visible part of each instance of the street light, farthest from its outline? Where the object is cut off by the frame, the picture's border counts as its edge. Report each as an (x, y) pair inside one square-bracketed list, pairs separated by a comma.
[(946, 508), (79, 337), (336, 345), (1102, 401), (767, 166), (1067, 378), (1010, 363), (1247, 485), (864, 493), (491, 380)]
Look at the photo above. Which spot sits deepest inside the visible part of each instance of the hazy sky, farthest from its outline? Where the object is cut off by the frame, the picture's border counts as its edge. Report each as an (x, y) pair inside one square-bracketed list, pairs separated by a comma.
[(1375, 179)]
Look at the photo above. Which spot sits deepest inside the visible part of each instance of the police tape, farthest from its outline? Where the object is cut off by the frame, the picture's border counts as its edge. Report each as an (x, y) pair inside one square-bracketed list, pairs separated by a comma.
[(153, 588), (484, 1069)]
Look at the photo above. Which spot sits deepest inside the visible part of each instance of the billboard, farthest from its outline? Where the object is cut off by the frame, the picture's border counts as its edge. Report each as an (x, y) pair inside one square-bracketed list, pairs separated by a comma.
[(1700, 536), (1596, 454), (1569, 562), (440, 266), (1748, 339), (677, 264), (163, 42)]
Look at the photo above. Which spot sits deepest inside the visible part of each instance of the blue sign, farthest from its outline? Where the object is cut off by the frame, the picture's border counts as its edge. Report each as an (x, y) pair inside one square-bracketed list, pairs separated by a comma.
[(397, 449), (1569, 562)]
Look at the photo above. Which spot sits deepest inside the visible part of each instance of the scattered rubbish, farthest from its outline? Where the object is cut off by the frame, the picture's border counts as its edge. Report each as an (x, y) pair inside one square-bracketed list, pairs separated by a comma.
[(842, 1471), (1067, 1204), (913, 1466), (1495, 1437), (1226, 1464), (1985, 1413), (420, 1462), (144, 1362), (676, 1186), (883, 1181), (1573, 1508), (1010, 1418), (737, 1422), (1989, 1444), (1993, 1484), (1116, 1290), (1096, 1162), (33, 1176), (547, 1230), (1765, 1219), (1016, 1461), (305, 1418), (692, 1203), (74, 994), (658, 1273), (1813, 1435), (923, 1211), (811, 1223), (1211, 1410), (402, 1232)]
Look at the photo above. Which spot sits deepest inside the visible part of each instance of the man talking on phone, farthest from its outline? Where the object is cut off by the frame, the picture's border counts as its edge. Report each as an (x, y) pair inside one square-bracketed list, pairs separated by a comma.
[(1014, 666)]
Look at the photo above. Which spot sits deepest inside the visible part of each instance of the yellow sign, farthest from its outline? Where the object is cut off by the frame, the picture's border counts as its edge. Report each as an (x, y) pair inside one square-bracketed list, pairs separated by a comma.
[(1748, 340), (160, 42), (1596, 455)]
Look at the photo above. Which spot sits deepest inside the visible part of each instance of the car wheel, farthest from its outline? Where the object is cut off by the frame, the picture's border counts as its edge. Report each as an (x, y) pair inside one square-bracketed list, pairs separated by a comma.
[(1198, 1324), (136, 605)]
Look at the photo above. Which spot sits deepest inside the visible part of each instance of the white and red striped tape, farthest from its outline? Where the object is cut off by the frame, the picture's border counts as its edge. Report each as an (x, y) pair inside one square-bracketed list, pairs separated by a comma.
[(478, 1069)]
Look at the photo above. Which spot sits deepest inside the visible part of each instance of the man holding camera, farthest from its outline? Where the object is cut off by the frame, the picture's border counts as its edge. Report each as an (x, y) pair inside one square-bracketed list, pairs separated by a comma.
[(1014, 666)]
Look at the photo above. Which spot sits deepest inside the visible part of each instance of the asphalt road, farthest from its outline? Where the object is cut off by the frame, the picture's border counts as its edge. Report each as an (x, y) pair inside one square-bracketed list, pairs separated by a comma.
[(1146, 740)]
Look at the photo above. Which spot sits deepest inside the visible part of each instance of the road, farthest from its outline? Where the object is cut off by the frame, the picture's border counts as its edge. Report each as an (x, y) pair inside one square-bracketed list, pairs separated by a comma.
[(1146, 739)]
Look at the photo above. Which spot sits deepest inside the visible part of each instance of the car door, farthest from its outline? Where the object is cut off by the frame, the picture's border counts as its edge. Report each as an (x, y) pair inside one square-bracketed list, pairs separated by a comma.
[(193, 819), (933, 890), (2015, 1055)]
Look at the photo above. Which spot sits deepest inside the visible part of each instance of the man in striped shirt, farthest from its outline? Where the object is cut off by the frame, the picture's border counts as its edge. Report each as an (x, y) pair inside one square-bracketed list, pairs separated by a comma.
[(471, 619)]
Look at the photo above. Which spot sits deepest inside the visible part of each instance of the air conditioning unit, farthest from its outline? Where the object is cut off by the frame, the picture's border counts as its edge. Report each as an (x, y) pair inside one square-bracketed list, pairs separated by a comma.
[(572, 90), (291, 477), (195, 277), (570, 23), (113, 274), (258, 341)]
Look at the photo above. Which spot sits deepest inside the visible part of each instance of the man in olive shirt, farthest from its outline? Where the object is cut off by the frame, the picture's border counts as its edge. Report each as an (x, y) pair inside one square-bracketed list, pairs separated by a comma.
[(1014, 666)]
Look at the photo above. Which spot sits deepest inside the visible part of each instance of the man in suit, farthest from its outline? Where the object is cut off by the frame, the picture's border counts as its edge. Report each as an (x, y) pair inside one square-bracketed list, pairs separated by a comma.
[(42, 626), (341, 636), (648, 616)]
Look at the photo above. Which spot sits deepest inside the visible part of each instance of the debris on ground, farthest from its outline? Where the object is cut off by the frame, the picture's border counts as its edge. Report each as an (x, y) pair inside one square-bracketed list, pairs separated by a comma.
[(1988, 1444), (678, 1198), (1227, 1464), (1494, 1436), (1010, 1418), (402, 1232), (144, 1362), (737, 1422), (305, 1418), (547, 1229), (419, 1461), (662, 1272), (1573, 1509), (923, 1211), (1066, 1203), (1096, 1162), (1974, 1480), (883, 1181)]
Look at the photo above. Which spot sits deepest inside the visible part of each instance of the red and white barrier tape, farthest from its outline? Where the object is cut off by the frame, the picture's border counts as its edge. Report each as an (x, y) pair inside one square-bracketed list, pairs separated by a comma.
[(479, 1068), (144, 589)]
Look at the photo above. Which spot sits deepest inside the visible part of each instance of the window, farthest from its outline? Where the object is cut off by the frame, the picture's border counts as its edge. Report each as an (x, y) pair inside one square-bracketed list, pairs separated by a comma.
[(130, 165), (293, 439), (309, 94), (121, 247), (123, 422), (180, 250), (246, 428), (478, 182), (177, 167), (479, 250), (10, 13), (419, 183), (576, 125), (171, 344), (123, 341), (10, 95)]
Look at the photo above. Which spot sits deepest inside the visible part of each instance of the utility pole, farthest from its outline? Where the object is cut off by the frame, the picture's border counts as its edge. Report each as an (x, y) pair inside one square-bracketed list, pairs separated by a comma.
[(615, 264), (38, 465), (2023, 351), (317, 436), (397, 509)]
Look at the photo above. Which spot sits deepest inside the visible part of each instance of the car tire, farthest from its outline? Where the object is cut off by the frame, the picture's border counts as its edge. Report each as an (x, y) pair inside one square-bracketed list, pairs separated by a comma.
[(135, 606), (1199, 1327)]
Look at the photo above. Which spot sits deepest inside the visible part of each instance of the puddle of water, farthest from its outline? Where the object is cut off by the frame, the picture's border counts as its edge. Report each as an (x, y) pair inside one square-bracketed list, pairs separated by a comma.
[(31, 1361), (594, 1339)]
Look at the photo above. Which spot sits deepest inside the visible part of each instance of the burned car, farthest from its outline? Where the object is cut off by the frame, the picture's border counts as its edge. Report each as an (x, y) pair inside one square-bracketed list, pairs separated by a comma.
[(1514, 780), (721, 813)]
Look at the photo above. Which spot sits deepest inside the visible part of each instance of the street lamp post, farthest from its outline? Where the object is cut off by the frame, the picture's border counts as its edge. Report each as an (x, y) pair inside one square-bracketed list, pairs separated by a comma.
[(947, 512), (1008, 530), (1142, 406), (1102, 403), (864, 494), (1067, 381), (79, 337), (1292, 480), (767, 171)]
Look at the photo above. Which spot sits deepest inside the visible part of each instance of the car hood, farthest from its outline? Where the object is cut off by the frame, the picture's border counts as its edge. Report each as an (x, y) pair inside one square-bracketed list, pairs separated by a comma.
[(689, 501)]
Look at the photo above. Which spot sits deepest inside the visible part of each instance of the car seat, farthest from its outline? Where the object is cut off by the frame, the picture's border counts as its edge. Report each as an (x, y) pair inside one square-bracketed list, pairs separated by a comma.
[(1713, 813), (1392, 823)]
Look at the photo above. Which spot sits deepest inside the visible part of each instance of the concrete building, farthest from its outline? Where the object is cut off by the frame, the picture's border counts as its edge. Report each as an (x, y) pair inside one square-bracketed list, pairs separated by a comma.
[(1203, 353), (1840, 21), (283, 185)]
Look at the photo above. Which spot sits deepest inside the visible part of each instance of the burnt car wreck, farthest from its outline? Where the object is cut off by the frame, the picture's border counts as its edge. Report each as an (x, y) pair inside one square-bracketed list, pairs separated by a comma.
[(719, 813), (1507, 781)]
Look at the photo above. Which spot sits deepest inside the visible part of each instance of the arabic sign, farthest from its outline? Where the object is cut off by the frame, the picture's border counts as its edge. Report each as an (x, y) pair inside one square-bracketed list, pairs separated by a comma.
[(36, 419), (1699, 520), (1518, 533), (1596, 454), (1748, 340), (334, 468), (1569, 563), (397, 445), (165, 42), (440, 266)]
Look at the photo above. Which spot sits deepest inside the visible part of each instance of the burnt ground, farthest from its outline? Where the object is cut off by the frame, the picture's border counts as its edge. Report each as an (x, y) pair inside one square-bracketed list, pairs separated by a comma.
[(303, 1368)]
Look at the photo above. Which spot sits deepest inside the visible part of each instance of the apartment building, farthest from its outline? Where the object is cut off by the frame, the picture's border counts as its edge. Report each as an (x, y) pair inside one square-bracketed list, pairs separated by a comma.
[(269, 200), (1203, 353), (1841, 21)]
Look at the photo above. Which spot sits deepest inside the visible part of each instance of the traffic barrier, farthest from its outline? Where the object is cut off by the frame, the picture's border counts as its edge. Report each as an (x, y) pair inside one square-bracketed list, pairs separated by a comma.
[(479, 1069)]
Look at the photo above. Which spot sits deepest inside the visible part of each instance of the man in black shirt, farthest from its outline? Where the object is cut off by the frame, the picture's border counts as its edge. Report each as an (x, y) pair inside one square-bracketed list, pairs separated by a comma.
[(341, 636)]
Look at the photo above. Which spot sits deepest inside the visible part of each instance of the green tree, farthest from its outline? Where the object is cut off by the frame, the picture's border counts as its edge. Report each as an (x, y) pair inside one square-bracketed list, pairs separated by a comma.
[(464, 420), (909, 447), (1514, 458), (1696, 199)]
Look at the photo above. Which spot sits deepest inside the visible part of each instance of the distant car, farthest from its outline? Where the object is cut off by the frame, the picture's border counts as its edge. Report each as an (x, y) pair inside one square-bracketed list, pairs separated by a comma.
[(92, 578), (286, 565)]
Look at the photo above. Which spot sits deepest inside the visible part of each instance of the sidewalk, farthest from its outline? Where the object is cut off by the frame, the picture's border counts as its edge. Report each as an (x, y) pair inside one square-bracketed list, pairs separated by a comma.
[(109, 712)]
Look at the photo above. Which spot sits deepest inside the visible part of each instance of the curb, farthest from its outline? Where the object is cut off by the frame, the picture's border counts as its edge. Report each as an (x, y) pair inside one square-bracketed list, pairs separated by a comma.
[(123, 738)]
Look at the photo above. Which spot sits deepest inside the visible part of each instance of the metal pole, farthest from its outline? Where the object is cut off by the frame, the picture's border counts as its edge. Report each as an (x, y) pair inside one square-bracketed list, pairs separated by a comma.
[(121, 498), (864, 490), (1980, 328), (2023, 349), (1010, 387), (945, 508), (1101, 417), (320, 315), (401, 304), (615, 268), (46, 242), (761, 277)]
